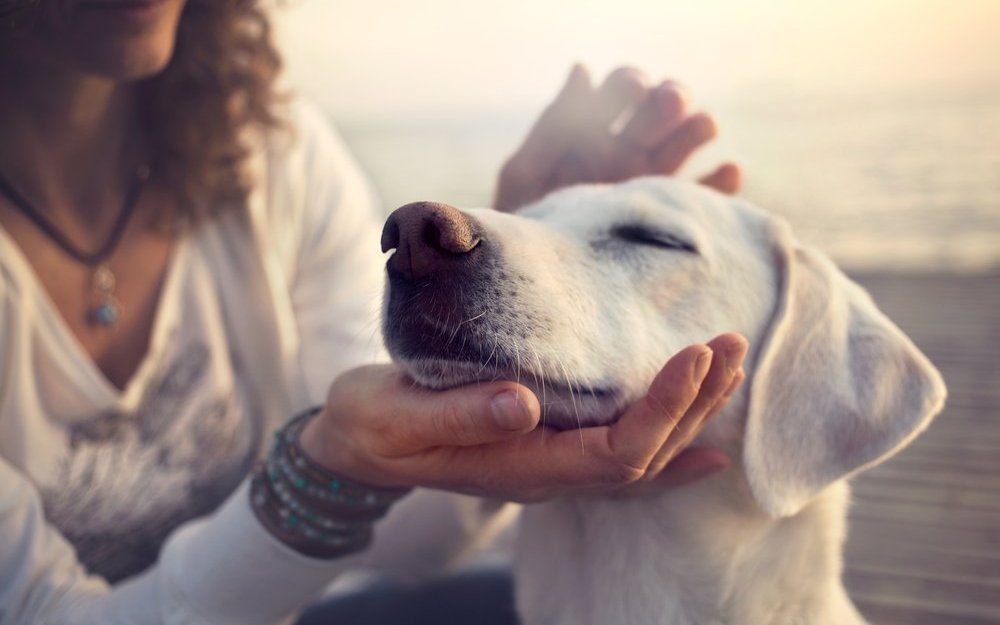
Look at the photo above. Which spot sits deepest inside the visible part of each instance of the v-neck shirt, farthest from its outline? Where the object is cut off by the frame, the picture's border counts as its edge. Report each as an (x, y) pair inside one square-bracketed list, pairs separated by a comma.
[(260, 310)]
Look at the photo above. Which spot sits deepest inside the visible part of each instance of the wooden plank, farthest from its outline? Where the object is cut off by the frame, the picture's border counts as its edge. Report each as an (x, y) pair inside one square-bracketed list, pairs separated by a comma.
[(958, 595), (924, 539), (881, 611), (870, 492), (869, 554)]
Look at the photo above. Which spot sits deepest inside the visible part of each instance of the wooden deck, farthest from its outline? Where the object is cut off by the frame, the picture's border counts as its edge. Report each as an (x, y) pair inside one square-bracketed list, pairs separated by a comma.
[(924, 545)]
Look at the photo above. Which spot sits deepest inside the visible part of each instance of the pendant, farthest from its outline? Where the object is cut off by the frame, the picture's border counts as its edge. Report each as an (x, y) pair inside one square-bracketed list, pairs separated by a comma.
[(107, 310)]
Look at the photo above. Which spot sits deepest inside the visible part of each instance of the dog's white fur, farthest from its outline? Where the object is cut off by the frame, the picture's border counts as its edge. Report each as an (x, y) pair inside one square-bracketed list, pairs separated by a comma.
[(833, 387)]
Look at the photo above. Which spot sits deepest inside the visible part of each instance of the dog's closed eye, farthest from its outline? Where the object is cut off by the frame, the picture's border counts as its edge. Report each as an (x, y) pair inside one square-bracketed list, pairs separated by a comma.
[(644, 235)]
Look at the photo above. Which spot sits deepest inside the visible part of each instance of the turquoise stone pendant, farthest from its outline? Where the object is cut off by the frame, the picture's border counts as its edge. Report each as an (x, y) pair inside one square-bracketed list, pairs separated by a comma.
[(107, 309)]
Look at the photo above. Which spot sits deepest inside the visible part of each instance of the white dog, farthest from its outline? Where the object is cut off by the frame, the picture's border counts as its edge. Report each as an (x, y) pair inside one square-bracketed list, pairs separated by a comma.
[(583, 296)]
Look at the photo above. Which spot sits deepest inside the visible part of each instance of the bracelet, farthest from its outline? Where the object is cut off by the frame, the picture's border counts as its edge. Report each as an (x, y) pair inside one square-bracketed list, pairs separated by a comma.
[(317, 481), (315, 511), (297, 532)]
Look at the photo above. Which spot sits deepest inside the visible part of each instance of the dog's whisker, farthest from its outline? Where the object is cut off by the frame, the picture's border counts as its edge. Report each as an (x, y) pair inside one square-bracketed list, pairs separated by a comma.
[(539, 379), (496, 344), (576, 408), (517, 364)]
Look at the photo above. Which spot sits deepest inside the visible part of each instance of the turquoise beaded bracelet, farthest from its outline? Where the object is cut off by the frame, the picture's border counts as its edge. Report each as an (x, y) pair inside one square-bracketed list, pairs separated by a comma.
[(302, 502)]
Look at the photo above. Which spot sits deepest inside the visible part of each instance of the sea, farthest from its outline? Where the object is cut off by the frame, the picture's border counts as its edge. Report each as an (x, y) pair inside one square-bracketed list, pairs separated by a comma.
[(904, 181)]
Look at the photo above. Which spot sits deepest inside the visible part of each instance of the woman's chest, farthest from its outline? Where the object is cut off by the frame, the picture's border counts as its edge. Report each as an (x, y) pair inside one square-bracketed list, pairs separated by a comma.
[(128, 284)]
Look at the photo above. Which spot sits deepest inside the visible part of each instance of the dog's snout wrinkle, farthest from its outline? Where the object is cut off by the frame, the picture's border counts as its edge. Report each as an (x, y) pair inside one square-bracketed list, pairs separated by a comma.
[(429, 237)]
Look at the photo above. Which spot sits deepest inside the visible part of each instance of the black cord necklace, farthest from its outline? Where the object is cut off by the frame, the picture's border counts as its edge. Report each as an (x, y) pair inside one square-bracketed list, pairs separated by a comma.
[(106, 309)]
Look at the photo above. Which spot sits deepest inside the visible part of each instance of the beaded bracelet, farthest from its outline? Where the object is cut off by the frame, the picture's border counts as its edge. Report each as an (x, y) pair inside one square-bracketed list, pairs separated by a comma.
[(295, 530), (290, 494), (317, 481)]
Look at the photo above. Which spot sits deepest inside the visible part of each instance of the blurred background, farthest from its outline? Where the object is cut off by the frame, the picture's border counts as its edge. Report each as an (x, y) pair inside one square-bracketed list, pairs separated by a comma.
[(872, 125)]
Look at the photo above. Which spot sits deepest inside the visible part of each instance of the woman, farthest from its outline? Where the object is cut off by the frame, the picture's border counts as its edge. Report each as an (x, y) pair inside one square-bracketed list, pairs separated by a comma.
[(186, 262)]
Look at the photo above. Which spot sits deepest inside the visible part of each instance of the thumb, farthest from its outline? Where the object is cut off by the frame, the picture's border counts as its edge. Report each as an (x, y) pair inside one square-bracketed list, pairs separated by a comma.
[(470, 415), (549, 138)]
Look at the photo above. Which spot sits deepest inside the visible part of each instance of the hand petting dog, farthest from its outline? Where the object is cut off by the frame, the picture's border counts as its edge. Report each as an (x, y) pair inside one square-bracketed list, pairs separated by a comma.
[(622, 129), (484, 439)]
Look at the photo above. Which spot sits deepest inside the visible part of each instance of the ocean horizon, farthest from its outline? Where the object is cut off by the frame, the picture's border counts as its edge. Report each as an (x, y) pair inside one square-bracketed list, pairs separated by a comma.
[(903, 181)]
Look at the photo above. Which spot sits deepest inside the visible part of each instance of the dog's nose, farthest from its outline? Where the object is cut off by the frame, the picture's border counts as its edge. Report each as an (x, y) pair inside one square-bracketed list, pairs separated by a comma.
[(428, 237)]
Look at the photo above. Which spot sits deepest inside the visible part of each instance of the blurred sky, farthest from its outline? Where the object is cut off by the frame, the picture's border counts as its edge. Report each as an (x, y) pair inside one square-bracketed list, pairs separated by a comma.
[(871, 125), (381, 57)]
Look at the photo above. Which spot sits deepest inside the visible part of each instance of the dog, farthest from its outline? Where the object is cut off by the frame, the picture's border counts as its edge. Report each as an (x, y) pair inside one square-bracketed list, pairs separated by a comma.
[(583, 296)]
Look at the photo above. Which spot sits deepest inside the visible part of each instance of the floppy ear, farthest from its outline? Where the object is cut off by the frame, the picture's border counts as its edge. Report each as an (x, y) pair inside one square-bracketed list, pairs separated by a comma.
[(837, 386)]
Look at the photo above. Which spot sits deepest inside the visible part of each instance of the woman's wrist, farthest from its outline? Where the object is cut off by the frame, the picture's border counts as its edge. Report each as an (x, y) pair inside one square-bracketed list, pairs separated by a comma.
[(310, 508)]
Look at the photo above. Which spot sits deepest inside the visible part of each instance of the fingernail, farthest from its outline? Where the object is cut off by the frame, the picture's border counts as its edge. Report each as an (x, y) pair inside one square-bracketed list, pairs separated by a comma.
[(702, 365), (735, 356), (509, 412), (738, 378), (669, 94)]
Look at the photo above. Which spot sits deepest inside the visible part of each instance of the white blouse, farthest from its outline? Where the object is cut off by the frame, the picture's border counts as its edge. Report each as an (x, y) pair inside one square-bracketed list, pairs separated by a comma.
[(259, 312)]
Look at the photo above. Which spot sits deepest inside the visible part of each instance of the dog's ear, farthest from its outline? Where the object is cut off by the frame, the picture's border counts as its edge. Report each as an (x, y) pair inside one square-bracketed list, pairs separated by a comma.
[(837, 386)]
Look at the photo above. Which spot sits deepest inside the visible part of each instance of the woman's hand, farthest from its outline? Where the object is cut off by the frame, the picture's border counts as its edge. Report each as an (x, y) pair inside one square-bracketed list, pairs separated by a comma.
[(483, 439), (583, 137)]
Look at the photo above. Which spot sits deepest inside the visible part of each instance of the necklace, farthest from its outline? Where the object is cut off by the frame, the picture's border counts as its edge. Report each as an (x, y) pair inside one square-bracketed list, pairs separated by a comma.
[(106, 310)]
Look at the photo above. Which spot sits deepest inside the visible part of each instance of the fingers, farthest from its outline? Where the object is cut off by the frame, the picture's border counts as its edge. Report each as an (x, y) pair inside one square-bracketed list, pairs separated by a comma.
[(596, 457), (550, 137), (543, 462), (690, 465), (527, 174), (691, 134), (727, 178), (660, 414), (536, 463), (593, 457), (728, 350), (656, 118), (622, 89), (652, 430), (593, 156), (380, 410), (728, 394), (731, 349), (575, 139), (464, 416), (578, 111)]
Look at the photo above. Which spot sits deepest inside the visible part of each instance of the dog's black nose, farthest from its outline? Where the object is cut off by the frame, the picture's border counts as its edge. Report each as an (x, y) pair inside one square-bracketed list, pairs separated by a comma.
[(429, 238)]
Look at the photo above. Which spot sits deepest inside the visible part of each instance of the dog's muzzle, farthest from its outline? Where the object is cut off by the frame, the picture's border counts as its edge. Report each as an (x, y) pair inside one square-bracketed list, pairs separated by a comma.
[(442, 269), (455, 314)]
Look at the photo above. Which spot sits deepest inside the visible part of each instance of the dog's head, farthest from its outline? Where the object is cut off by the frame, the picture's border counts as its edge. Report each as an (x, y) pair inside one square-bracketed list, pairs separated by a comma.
[(584, 295)]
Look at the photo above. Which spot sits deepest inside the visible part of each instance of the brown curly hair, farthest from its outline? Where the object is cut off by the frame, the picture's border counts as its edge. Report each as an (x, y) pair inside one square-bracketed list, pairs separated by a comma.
[(219, 83)]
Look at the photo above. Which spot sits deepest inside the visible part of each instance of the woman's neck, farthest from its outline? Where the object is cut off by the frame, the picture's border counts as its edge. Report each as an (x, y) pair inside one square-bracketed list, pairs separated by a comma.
[(70, 140)]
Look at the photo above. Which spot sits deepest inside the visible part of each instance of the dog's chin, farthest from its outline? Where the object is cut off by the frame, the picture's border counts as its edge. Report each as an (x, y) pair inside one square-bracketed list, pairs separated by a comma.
[(564, 405)]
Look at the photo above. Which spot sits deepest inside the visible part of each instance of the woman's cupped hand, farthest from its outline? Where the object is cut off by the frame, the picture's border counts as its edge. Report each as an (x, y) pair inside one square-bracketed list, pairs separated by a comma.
[(484, 439)]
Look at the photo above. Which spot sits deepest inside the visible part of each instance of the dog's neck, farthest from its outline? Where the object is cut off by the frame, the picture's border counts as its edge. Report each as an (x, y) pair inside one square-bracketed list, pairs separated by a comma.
[(697, 555)]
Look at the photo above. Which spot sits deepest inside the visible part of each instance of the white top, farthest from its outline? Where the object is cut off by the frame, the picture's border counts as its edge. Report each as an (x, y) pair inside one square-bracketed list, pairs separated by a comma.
[(259, 312)]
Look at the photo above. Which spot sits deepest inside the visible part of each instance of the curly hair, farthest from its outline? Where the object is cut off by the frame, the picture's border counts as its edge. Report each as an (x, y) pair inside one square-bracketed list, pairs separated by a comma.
[(219, 83)]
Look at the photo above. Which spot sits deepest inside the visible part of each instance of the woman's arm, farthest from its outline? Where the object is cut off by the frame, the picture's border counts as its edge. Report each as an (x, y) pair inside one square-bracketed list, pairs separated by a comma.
[(335, 273), (219, 570)]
